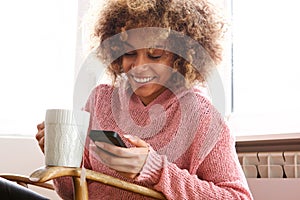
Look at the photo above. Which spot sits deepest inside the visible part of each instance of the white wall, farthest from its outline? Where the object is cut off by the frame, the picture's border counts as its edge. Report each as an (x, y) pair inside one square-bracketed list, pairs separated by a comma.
[(275, 188), (22, 156)]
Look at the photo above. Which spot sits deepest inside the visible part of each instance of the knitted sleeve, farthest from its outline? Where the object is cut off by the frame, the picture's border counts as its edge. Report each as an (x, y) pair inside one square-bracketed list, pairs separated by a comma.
[(218, 176)]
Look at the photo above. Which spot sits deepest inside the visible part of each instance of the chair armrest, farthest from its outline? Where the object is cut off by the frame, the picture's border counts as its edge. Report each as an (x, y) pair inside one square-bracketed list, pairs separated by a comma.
[(24, 181), (48, 173)]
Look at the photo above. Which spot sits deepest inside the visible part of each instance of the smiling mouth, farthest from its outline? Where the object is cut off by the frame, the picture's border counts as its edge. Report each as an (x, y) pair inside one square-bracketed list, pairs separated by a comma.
[(143, 79)]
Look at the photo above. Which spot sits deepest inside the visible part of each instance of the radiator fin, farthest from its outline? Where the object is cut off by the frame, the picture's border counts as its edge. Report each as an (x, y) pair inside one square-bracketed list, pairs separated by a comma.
[(270, 164)]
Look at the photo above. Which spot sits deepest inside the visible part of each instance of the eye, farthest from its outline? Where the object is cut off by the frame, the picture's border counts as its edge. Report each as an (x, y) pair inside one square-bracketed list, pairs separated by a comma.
[(130, 53), (155, 53)]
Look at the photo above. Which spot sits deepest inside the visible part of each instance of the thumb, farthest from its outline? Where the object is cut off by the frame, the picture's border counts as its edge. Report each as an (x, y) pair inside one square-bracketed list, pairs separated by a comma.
[(136, 141)]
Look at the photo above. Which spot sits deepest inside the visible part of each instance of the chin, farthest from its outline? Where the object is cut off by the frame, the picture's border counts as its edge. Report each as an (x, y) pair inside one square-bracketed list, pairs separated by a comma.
[(142, 93)]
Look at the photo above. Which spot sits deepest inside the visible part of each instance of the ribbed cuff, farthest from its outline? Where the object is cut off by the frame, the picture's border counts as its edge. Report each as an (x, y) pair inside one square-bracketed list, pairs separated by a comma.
[(153, 167)]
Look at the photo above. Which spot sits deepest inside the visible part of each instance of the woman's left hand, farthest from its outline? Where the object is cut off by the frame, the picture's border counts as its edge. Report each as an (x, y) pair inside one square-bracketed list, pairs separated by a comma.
[(126, 161)]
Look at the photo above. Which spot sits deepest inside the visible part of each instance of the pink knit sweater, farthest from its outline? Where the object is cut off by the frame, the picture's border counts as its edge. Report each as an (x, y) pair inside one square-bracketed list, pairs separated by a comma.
[(192, 153)]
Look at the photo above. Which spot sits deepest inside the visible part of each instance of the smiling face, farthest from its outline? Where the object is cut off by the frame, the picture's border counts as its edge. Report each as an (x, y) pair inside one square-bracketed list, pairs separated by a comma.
[(148, 69)]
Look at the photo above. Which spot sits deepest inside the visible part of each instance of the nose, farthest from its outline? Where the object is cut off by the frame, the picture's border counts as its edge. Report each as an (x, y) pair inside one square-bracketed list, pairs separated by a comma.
[(141, 60)]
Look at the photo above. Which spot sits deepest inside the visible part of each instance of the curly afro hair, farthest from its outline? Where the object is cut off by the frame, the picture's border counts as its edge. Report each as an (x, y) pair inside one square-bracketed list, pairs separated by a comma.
[(196, 19)]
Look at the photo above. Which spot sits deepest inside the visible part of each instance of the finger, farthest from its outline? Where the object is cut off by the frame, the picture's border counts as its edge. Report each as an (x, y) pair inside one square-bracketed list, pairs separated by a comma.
[(94, 150), (41, 126), (40, 134), (114, 162), (112, 149), (120, 151), (105, 157), (42, 144), (136, 141)]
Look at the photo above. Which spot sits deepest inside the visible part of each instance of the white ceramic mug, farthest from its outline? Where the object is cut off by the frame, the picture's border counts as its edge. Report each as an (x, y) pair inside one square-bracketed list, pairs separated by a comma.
[(65, 135)]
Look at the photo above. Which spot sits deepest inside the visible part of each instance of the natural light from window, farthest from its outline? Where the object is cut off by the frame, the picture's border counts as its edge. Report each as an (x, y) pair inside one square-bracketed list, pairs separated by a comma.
[(266, 67), (37, 61)]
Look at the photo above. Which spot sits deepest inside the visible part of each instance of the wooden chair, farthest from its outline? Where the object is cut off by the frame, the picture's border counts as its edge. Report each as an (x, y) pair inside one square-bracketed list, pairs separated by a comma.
[(41, 176)]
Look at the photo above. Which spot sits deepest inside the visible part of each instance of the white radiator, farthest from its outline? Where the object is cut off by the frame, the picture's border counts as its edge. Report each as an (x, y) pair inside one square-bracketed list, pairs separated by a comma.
[(271, 164), (272, 175)]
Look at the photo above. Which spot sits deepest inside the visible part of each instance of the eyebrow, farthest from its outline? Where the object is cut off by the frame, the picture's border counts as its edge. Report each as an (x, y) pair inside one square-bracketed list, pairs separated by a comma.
[(158, 46), (126, 43)]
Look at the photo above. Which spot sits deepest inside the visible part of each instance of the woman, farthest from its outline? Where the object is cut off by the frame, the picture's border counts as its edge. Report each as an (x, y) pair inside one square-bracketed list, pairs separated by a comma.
[(158, 53)]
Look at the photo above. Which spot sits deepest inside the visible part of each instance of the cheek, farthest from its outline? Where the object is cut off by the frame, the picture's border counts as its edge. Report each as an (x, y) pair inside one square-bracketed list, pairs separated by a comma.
[(126, 65), (165, 74)]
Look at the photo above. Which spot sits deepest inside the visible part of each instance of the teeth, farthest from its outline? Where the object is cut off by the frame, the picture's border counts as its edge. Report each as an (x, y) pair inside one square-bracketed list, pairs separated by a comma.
[(143, 80)]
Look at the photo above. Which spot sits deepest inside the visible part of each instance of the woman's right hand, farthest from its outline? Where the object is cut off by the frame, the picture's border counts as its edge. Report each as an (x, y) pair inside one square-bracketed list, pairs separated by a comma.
[(40, 136)]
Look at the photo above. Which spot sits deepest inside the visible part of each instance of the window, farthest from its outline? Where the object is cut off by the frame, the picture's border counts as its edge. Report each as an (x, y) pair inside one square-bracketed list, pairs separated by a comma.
[(266, 67), (37, 61)]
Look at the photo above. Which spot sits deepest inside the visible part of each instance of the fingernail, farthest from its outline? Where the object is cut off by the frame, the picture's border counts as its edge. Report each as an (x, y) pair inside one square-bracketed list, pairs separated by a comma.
[(130, 137)]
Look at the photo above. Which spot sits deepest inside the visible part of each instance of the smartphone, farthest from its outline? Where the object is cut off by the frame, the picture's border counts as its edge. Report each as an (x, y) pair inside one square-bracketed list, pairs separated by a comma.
[(109, 137)]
